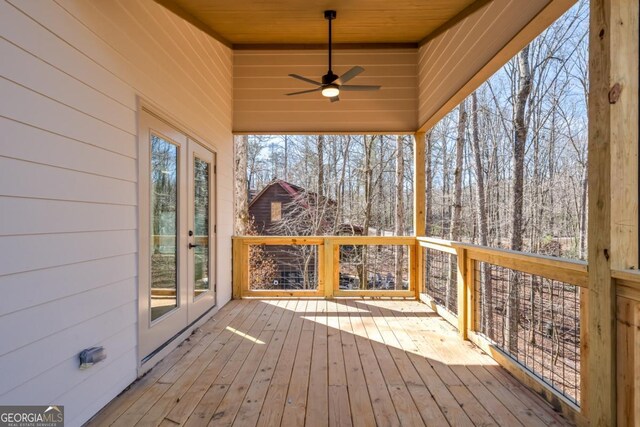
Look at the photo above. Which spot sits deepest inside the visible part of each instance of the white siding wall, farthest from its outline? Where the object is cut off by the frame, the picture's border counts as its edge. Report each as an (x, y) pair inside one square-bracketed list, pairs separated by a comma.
[(71, 71)]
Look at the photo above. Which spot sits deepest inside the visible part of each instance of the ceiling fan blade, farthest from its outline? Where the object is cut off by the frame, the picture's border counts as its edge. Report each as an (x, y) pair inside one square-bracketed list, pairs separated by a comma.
[(359, 87), (334, 98), (304, 79), (349, 75), (304, 91)]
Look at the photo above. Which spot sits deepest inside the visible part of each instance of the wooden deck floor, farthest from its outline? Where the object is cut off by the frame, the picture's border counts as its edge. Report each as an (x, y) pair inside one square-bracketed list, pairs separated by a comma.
[(317, 362)]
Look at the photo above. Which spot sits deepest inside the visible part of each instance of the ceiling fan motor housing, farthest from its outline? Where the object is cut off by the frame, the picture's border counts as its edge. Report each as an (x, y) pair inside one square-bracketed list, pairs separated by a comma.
[(329, 78), (329, 14)]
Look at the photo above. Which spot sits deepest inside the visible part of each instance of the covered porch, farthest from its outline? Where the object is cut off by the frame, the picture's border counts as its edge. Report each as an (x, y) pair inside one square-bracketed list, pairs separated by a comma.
[(87, 83), (328, 362)]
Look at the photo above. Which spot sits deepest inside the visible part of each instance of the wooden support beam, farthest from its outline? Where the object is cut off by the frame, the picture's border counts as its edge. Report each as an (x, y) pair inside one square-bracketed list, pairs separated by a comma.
[(613, 189), (413, 270), (236, 251), (419, 270), (328, 268), (471, 295), (418, 184), (462, 293)]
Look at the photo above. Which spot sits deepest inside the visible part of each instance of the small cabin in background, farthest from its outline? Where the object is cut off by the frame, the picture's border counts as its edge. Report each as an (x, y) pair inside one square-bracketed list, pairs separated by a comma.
[(266, 207), (283, 208)]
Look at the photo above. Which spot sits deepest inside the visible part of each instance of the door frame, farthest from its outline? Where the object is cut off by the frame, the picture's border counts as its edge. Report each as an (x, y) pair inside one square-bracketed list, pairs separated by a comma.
[(147, 361)]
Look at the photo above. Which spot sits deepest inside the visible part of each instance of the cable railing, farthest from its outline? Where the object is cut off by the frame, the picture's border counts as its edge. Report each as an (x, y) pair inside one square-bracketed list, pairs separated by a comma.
[(534, 320), (524, 310), (324, 266)]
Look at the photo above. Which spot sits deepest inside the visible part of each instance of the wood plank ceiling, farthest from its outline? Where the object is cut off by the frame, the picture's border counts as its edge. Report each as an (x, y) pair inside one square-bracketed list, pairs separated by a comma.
[(301, 22)]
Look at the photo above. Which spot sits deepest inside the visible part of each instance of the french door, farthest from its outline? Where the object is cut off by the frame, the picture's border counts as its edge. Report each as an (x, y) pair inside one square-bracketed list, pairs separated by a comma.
[(177, 225)]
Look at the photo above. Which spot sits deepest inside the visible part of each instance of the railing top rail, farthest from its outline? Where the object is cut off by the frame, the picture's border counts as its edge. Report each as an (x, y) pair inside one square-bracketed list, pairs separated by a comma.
[(280, 240), (569, 271), (339, 240), (372, 240), (572, 264), (435, 241), (628, 283), (574, 272), (632, 276)]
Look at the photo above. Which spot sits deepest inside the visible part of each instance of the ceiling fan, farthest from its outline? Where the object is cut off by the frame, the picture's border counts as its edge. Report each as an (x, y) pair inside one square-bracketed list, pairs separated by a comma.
[(332, 84)]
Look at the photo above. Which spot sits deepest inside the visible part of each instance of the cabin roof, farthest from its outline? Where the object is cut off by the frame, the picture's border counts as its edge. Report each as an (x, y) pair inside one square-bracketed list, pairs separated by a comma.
[(295, 191)]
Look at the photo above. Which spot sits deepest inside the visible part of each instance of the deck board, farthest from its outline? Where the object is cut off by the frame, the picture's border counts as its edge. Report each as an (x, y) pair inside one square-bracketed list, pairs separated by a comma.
[(342, 362)]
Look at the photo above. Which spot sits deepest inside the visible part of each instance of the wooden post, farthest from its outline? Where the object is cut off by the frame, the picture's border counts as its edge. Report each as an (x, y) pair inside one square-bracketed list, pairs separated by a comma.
[(413, 269), (613, 189), (419, 251), (328, 268), (236, 267), (462, 292), (418, 209), (418, 184), (471, 294)]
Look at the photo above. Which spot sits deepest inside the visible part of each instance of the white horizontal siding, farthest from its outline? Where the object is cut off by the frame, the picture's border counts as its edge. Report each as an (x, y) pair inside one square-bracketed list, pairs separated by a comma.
[(23, 178), (114, 321), (39, 111), (22, 141), (46, 285), (70, 75)]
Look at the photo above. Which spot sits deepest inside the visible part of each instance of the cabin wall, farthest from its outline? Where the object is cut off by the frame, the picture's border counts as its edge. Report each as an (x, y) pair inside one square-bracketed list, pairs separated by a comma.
[(260, 82), (457, 61), (260, 209), (72, 74)]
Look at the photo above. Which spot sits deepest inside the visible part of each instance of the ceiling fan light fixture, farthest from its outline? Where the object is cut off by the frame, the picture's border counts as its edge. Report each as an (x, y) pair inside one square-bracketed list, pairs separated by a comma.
[(332, 83), (330, 91)]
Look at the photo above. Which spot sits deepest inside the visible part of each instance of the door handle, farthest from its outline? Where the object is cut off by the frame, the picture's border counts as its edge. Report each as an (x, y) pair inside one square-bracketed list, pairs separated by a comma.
[(191, 246)]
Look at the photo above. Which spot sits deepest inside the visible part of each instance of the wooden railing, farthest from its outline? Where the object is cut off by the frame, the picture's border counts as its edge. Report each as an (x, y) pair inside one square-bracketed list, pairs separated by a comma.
[(628, 346), (452, 277), (530, 321), (334, 266)]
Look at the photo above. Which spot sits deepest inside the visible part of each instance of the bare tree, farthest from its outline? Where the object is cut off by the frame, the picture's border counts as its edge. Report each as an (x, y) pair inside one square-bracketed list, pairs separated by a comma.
[(519, 143), (242, 185), (399, 220), (429, 184), (320, 151), (481, 210)]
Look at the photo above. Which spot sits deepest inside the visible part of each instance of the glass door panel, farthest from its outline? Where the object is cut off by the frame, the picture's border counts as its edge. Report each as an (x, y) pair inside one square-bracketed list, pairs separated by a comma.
[(201, 268), (164, 227), (202, 192)]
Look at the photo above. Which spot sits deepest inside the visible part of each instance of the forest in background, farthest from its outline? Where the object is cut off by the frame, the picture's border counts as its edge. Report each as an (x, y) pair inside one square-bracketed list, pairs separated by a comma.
[(506, 168)]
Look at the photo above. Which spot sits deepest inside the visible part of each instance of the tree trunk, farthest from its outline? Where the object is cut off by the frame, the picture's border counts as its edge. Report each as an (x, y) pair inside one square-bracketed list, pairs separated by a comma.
[(242, 188), (429, 184), (368, 194), (583, 214), (339, 218), (454, 232), (446, 206), (481, 212), (399, 214), (320, 148), (519, 143), (286, 158)]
